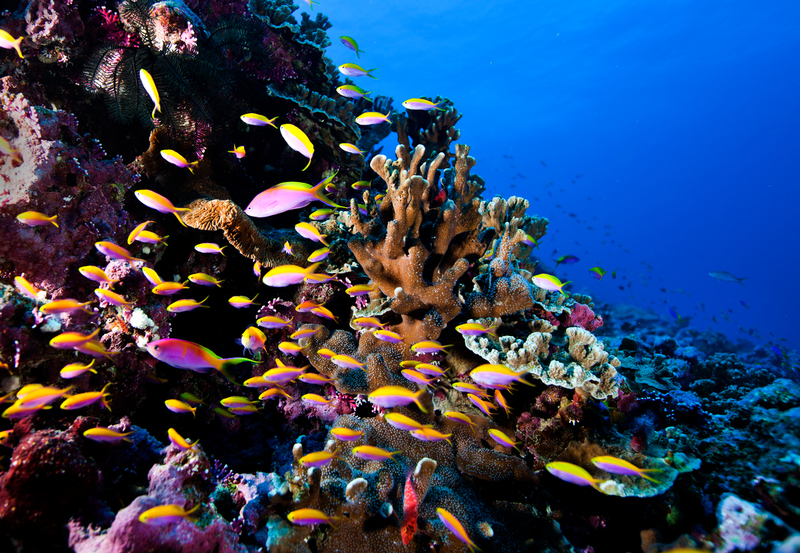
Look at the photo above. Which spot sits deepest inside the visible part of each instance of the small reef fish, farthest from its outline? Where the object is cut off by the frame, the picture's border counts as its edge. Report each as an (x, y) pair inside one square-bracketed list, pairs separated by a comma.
[(502, 402), (469, 388), (455, 526), (402, 422), (320, 214), (173, 157), (420, 104), (136, 230), (148, 237), (79, 401), (430, 435), (273, 321), (309, 231), (253, 339), (17, 411), (210, 247), (486, 407), (298, 141), (368, 322), (353, 70), (166, 514), (319, 458), (598, 272), (429, 369), (315, 399), (373, 118), (314, 378), (566, 260), (573, 474), (191, 399), (96, 274), (66, 305), (24, 391), (319, 278), (150, 87), (179, 441), (287, 248), (310, 517), (273, 393), (287, 196), (256, 382), (351, 44), (373, 453), (388, 336), (351, 148), (346, 434), (240, 302), (503, 439), (235, 401), (180, 407), (224, 413), (27, 289), (8, 42), (238, 151), (68, 340), (409, 364), (181, 306), (726, 277), (244, 410), (361, 289), (36, 219), (304, 332), (152, 276), (183, 354), (74, 370), (290, 348), (353, 91), (530, 241), (476, 329), (102, 434), (112, 250), (428, 346), (319, 255), (460, 418), (394, 396), (620, 466), (347, 362), (41, 396), (496, 376), (417, 377), (550, 283), (257, 120), (361, 185), (326, 353), (168, 288), (203, 279), (156, 201), (112, 298), (93, 348), (5, 148), (287, 275), (257, 269), (282, 375)]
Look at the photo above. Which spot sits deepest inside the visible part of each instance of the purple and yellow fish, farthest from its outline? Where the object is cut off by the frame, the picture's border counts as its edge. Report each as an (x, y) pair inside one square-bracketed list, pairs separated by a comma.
[(156, 201), (351, 44), (353, 70), (183, 354), (573, 474), (298, 141), (310, 517), (287, 196), (373, 118), (455, 526), (176, 159), (36, 219), (166, 514)]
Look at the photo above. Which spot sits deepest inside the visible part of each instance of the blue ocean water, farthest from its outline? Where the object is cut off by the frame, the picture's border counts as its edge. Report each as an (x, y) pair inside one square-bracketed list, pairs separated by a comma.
[(659, 138)]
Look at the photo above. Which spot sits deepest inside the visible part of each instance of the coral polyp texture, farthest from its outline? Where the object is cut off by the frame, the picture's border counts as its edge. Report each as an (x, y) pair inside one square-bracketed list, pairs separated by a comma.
[(221, 330)]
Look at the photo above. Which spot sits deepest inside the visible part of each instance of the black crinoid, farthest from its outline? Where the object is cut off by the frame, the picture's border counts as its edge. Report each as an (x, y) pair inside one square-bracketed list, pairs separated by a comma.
[(190, 66)]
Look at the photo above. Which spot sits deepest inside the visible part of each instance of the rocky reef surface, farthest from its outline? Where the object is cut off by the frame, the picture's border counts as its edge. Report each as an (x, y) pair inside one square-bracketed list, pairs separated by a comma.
[(420, 281)]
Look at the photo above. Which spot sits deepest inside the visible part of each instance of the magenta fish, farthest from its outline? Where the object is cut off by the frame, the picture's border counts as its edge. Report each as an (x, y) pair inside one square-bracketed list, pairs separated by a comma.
[(183, 354), (287, 196)]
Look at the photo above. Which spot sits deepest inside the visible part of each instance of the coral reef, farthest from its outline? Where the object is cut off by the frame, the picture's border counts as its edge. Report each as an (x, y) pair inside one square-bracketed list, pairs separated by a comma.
[(420, 282)]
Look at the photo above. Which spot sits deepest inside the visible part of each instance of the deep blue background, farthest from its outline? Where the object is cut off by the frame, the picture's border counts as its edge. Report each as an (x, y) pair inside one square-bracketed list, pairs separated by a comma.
[(681, 117)]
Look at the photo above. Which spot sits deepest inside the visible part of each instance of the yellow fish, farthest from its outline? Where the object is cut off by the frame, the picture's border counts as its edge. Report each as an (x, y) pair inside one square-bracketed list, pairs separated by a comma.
[(179, 441), (150, 87), (178, 160), (298, 141), (101, 434), (7, 41), (34, 219), (166, 514)]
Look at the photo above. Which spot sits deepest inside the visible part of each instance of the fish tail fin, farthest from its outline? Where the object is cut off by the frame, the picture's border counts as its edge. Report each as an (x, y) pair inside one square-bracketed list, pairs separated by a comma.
[(369, 71), (53, 220), (312, 268), (318, 192), (739, 280), (179, 217), (417, 397), (226, 364), (16, 46), (308, 164), (492, 330)]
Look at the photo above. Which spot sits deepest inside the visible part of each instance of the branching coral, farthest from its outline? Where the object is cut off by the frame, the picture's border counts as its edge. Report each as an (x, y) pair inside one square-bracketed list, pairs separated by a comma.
[(413, 251)]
